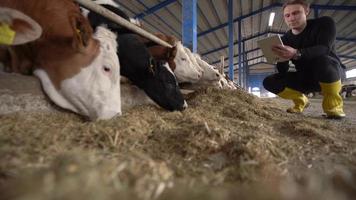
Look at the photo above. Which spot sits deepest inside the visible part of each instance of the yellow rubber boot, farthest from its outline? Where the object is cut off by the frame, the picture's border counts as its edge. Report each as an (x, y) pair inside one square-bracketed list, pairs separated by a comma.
[(299, 99), (332, 101)]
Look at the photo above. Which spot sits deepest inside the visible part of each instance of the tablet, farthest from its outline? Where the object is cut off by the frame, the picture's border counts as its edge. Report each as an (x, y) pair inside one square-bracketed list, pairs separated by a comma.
[(266, 46)]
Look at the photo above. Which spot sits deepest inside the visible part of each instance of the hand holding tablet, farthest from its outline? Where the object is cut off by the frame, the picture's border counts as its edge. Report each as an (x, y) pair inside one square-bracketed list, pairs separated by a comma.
[(273, 42)]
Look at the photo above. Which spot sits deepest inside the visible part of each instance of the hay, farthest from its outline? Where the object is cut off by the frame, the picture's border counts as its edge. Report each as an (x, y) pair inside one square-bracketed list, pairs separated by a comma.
[(225, 139)]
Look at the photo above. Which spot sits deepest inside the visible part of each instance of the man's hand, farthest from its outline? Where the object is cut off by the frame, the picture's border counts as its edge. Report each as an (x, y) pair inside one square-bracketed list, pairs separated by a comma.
[(285, 52)]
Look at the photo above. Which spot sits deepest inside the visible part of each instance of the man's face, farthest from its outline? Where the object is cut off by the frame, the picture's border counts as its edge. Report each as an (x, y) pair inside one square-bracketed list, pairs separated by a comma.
[(295, 16)]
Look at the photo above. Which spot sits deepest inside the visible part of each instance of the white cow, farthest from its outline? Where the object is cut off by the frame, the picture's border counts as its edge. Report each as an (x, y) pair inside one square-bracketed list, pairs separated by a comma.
[(186, 70), (210, 73), (211, 76), (95, 90)]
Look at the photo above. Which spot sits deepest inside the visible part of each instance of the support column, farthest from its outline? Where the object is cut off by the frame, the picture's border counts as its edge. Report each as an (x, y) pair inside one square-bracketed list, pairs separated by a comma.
[(240, 53), (247, 70), (231, 40), (189, 27), (244, 64), (316, 13)]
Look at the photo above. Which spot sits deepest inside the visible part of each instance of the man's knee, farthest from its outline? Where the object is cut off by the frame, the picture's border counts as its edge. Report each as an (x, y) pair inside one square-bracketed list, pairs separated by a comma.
[(267, 83), (271, 84), (327, 69), (323, 61)]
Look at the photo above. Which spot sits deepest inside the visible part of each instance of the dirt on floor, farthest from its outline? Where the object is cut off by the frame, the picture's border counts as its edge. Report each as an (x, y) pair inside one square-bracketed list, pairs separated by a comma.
[(227, 145)]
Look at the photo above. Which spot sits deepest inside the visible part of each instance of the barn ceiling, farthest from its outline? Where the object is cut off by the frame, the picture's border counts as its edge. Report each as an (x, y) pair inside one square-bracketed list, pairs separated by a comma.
[(165, 16)]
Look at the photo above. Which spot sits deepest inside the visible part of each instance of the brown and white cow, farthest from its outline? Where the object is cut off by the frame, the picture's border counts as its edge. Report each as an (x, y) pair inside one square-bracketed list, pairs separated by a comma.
[(79, 71), (176, 57)]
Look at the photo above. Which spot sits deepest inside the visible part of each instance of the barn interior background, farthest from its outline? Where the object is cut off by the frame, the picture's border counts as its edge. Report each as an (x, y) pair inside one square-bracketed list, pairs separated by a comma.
[(227, 144)]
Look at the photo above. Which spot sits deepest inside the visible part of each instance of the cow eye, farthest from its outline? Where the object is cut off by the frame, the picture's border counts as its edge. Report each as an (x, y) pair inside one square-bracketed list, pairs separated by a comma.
[(106, 69), (183, 59)]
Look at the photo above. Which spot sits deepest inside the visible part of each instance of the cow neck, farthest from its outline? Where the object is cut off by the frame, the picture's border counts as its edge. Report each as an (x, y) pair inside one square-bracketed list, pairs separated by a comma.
[(63, 61), (171, 54), (151, 44)]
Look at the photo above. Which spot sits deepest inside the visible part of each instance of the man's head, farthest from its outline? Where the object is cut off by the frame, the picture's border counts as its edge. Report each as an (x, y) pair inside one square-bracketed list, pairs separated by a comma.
[(295, 14)]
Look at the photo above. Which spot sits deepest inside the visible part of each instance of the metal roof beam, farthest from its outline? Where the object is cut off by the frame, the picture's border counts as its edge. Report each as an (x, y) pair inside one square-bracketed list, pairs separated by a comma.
[(236, 42), (236, 55), (348, 57), (231, 38), (236, 70), (238, 18), (154, 8), (333, 7), (344, 39), (313, 6)]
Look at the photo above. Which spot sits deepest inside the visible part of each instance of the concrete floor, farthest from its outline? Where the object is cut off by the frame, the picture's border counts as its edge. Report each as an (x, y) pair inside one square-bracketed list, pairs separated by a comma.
[(315, 110)]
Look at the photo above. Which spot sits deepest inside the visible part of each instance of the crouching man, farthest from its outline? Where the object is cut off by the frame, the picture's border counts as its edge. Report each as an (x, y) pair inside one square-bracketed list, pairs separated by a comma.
[(310, 46)]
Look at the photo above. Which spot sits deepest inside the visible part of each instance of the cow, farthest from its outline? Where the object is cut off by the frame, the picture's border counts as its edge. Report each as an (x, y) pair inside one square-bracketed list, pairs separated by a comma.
[(78, 70), (17, 28), (209, 73), (176, 57), (152, 76)]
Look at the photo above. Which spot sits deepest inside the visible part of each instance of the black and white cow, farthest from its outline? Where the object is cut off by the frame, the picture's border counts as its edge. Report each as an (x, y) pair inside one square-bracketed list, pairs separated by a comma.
[(155, 78)]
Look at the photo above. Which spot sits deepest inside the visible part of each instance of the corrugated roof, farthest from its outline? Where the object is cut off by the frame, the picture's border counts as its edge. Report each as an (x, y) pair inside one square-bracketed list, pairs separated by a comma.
[(165, 16)]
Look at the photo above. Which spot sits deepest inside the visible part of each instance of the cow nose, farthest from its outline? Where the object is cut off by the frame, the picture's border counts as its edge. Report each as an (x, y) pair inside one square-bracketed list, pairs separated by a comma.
[(105, 115), (185, 105)]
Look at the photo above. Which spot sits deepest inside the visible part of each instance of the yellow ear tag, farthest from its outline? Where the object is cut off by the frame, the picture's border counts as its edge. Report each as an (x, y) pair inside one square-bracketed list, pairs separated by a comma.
[(7, 35)]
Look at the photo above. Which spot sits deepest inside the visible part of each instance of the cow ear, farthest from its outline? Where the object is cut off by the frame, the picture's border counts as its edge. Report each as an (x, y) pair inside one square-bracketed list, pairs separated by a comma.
[(17, 28), (173, 52), (82, 32)]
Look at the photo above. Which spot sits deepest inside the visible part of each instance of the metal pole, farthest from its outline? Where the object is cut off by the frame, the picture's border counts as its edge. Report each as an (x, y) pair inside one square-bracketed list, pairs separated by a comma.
[(316, 13), (240, 53), (189, 25), (222, 64), (231, 40), (121, 21)]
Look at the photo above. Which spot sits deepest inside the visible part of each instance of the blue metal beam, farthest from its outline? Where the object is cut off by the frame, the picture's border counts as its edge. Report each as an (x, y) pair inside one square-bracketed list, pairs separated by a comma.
[(343, 39), (313, 6), (333, 7), (154, 8), (254, 58), (341, 56), (248, 60), (236, 42), (189, 27), (316, 13), (245, 67), (236, 70), (238, 19), (348, 57), (163, 21), (236, 55), (239, 54), (231, 39), (128, 9)]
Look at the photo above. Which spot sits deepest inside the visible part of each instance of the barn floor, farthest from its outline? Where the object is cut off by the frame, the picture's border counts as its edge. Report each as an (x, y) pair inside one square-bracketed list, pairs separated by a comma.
[(226, 145)]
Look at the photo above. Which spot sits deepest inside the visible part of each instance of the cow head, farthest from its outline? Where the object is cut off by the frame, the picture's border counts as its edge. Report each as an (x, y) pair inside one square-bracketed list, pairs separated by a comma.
[(177, 59), (17, 28), (186, 70), (209, 74), (93, 91), (162, 87)]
